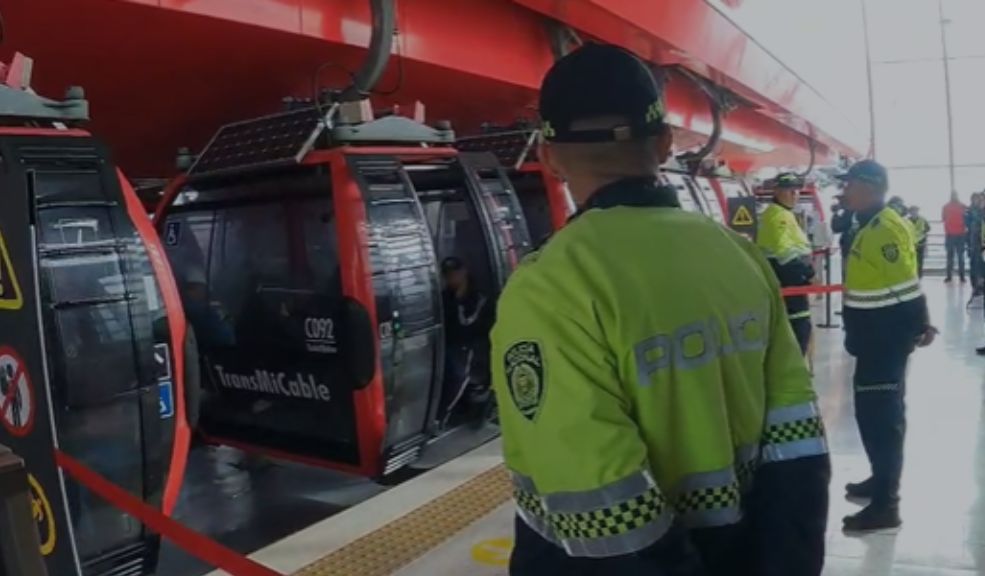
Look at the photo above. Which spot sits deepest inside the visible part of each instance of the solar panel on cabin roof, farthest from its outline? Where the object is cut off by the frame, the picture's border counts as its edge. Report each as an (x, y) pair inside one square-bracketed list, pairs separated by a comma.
[(271, 140)]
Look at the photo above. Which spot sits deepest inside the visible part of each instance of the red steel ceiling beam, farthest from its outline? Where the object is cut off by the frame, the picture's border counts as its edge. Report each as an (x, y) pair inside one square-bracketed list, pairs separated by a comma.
[(693, 33), (190, 65)]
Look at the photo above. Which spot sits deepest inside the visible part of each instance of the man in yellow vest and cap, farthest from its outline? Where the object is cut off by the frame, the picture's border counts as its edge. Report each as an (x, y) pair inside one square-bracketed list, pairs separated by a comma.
[(886, 318), (657, 415), (788, 250)]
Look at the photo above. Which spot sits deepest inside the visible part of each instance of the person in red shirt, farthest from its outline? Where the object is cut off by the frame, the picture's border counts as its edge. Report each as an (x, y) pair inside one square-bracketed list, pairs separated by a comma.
[(955, 231)]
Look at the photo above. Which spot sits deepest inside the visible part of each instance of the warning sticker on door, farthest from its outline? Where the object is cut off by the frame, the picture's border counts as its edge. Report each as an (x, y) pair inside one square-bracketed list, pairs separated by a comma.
[(10, 291), (41, 510), (17, 403), (742, 217)]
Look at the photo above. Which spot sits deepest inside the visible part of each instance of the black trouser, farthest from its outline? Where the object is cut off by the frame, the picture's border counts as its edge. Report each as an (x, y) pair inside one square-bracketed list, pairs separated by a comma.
[(458, 371), (955, 248), (921, 253), (466, 376), (880, 410), (802, 330)]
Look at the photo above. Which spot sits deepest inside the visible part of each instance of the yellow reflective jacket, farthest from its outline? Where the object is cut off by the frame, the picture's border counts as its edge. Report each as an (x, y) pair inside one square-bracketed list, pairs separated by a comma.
[(921, 228), (786, 247), (644, 367), (885, 309)]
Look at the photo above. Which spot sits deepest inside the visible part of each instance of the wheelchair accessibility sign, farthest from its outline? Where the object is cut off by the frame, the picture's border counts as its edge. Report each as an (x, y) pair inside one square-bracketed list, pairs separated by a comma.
[(172, 234), (166, 404)]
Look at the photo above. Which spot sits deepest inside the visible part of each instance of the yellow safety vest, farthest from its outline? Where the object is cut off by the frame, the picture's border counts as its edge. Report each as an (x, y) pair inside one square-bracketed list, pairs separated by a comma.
[(636, 387), (882, 266)]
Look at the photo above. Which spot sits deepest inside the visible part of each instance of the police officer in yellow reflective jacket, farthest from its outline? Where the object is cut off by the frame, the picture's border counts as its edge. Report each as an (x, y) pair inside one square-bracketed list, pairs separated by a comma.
[(786, 247), (922, 229), (657, 415), (886, 317)]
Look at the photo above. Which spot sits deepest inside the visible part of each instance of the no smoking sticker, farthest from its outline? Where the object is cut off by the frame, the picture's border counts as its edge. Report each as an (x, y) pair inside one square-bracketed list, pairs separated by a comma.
[(17, 404)]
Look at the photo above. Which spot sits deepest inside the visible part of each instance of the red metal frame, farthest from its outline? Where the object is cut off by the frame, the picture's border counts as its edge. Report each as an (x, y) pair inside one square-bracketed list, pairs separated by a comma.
[(694, 34), (168, 196), (557, 196), (285, 456), (716, 185), (17, 131), (368, 403), (402, 152), (172, 305), (508, 53), (178, 327)]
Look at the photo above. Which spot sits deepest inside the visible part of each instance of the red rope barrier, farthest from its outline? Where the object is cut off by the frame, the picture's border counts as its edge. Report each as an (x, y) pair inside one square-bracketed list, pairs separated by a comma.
[(806, 290), (192, 542)]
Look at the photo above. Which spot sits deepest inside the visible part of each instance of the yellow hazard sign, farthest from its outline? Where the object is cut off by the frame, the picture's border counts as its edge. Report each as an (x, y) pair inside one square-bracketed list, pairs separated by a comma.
[(495, 552), (742, 217), (41, 510), (10, 291)]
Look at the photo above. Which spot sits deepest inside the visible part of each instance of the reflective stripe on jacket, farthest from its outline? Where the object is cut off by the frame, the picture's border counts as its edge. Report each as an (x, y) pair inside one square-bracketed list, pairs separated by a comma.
[(645, 372)]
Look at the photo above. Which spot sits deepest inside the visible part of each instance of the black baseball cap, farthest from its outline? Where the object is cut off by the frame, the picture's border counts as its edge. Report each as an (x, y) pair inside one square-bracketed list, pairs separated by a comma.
[(867, 171), (788, 181), (598, 80)]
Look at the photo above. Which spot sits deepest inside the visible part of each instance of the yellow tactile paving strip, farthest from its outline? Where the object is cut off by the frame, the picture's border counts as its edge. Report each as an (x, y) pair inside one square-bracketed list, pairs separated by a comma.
[(413, 535)]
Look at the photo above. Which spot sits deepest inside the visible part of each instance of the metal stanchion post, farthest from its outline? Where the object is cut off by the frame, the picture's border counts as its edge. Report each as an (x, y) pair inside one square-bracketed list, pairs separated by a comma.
[(828, 323), (20, 548)]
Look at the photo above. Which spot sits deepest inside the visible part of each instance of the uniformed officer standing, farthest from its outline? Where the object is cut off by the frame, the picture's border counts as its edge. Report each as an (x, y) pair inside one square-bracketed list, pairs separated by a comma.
[(657, 415), (788, 251), (922, 229), (885, 319), (897, 204)]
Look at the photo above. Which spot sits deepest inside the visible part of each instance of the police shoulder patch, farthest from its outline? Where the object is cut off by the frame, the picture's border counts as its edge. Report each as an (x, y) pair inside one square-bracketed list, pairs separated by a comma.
[(524, 364), (890, 252)]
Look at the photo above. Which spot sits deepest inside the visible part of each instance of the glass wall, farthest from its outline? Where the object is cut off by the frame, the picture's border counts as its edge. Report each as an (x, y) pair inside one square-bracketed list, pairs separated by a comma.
[(910, 96)]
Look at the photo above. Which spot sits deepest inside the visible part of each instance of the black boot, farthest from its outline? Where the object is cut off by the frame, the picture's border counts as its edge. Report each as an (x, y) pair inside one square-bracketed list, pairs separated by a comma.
[(861, 489), (874, 518)]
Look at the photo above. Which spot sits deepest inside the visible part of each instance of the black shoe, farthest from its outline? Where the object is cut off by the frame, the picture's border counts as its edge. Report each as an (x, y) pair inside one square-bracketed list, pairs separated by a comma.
[(980, 351), (859, 489), (873, 518), (948, 280)]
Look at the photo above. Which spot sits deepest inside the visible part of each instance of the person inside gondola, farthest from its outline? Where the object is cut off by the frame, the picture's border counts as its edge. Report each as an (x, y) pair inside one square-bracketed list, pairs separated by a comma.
[(469, 316), (210, 328)]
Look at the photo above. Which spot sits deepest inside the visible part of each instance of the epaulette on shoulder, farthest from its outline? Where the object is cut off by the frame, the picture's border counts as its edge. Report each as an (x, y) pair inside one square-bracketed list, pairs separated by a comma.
[(876, 222)]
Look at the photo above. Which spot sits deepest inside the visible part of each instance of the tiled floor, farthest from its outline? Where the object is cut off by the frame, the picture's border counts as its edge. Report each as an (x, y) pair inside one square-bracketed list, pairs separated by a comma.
[(944, 481)]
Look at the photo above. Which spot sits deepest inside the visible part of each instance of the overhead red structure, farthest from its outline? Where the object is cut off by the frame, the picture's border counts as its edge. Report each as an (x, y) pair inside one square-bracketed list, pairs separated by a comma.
[(162, 74)]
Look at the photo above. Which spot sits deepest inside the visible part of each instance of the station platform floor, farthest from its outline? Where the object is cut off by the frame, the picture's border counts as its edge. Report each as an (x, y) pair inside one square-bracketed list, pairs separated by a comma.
[(456, 520)]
